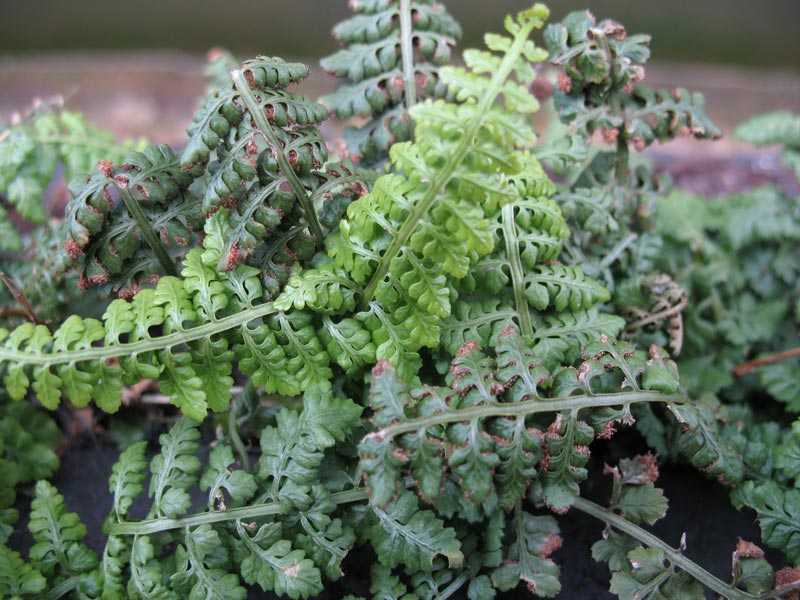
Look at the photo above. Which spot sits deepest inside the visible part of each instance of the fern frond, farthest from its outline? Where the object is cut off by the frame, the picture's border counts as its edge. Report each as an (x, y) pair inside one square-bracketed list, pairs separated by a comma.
[(778, 510), (286, 555), (127, 478), (174, 470), (268, 190), (105, 241), (270, 563), (29, 438), (485, 418), (201, 572), (373, 68), (58, 535), (18, 579), (207, 324), (535, 538), (404, 534), (421, 227)]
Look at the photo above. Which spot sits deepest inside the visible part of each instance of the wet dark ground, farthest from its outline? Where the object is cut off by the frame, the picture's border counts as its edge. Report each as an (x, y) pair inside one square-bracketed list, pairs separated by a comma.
[(697, 506)]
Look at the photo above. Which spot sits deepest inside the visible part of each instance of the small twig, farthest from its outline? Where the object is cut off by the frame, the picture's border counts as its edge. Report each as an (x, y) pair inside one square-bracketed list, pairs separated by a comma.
[(748, 367), (163, 399), (19, 296), (659, 316), (135, 210), (135, 393), (12, 311)]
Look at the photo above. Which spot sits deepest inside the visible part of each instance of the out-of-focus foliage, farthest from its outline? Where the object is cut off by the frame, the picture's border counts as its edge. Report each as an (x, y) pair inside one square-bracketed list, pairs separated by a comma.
[(776, 128)]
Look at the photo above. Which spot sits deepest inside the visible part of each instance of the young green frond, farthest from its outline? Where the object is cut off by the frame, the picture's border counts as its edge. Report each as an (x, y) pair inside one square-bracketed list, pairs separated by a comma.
[(422, 226)]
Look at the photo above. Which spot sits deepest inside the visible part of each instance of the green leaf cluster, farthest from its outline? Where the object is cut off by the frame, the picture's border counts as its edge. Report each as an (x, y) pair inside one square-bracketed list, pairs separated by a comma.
[(33, 146), (372, 70), (28, 438)]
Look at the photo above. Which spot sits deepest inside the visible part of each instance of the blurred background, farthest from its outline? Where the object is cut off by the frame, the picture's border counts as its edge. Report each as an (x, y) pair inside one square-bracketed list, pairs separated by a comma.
[(136, 66)]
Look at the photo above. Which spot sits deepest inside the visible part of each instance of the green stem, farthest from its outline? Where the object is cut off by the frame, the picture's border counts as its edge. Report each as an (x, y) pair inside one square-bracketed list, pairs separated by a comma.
[(63, 588), (266, 130), (135, 210), (454, 586), (233, 426), (407, 50), (621, 162), (442, 177), (517, 272), (674, 556), (617, 250), (529, 407), (151, 526), (142, 346)]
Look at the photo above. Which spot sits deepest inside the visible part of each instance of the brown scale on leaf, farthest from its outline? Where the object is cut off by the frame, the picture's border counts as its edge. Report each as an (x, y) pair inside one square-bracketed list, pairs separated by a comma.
[(106, 167), (609, 429), (72, 249), (380, 368), (99, 278), (128, 292), (232, 258), (786, 577), (564, 83), (551, 543), (745, 549)]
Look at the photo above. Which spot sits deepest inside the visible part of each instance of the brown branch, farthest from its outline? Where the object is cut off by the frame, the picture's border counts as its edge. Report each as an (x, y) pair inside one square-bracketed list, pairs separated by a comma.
[(12, 311), (748, 367), (659, 316), (19, 296)]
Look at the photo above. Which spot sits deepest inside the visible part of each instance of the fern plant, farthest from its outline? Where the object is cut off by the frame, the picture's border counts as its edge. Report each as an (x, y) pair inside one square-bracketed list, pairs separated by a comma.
[(608, 195), (737, 262), (456, 478), (386, 286), (393, 52), (251, 258)]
